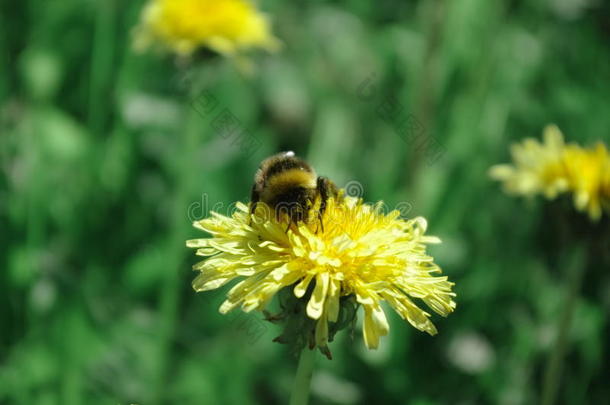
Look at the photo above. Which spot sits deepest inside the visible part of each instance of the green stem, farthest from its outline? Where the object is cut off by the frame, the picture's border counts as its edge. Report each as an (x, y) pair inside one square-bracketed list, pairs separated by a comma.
[(169, 297), (300, 389), (554, 367)]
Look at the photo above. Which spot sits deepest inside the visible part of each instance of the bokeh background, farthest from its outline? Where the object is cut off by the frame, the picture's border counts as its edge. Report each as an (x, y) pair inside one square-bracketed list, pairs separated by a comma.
[(107, 155)]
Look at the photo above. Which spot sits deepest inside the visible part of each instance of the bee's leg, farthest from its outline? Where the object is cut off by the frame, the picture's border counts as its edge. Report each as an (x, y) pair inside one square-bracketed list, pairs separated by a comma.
[(289, 223), (254, 198), (320, 221), (326, 189)]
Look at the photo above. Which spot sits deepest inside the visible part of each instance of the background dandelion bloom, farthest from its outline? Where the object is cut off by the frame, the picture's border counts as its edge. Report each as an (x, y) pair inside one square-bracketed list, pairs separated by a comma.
[(588, 173), (538, 167), (224, 26), (362, 252), (553, 168)]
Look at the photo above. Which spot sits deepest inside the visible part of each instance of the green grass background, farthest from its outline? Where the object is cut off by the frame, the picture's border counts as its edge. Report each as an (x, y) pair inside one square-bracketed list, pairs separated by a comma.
[(104, 163)]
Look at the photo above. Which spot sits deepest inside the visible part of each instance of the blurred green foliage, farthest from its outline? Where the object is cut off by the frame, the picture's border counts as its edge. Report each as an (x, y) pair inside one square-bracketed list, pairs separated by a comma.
[(104, 163)]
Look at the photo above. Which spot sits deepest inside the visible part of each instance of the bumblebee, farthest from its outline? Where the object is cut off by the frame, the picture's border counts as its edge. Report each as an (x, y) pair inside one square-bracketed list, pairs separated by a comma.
[(290, 186)]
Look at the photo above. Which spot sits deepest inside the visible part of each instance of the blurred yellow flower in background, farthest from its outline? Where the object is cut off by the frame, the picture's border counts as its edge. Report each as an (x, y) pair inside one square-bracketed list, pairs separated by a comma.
[(588, 171), (224, 26), (361, 253), (538, 167), (552, 168)]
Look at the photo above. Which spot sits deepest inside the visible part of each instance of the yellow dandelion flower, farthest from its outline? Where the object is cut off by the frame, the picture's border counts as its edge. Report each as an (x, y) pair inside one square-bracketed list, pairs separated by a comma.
[(361, 252), (538, 167), (224, 26), (588, 173), (553, 168)]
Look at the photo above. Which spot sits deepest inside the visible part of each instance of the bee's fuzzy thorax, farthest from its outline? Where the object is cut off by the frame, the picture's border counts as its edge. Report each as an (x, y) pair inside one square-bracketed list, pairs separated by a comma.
[(291, 178), (286, 180)]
